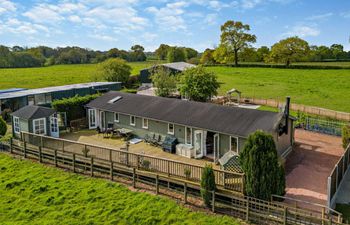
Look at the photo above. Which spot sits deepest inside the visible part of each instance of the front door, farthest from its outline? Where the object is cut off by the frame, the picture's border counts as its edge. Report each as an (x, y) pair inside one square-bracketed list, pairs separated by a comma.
[(216, 147), (198, 144), (92, 118), (54, 129)]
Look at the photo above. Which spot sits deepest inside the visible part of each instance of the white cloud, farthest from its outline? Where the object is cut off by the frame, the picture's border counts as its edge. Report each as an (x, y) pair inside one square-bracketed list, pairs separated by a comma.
[(303, 31), (7, 6), (103, 37), (16, 26), (211, 19), (74, 19), (320, 16), (44, 13)]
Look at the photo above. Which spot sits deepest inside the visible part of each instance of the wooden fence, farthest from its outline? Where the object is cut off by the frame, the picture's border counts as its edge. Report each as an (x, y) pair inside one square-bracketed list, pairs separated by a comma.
[(344, 116), (244, 207), (337, 175), (224, 179)]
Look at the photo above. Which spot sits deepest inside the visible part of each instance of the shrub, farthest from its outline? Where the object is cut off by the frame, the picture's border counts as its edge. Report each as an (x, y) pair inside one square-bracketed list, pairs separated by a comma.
[(3, 127), (6, 114), (207, 184), (114, 70), (346, 136), (146, 164), (164, 82), (74, 107), (187, 173), (259, 161)]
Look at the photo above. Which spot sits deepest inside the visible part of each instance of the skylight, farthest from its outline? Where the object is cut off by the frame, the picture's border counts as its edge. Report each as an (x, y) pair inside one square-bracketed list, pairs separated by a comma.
[(113, 100)]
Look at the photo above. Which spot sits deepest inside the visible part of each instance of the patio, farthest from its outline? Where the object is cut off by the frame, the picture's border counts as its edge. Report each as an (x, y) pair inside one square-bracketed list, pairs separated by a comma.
[(92, 137)]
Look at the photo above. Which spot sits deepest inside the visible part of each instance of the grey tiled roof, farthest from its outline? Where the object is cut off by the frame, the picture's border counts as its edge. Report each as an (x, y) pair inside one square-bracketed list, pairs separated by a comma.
[(223, 119), (31, 112)]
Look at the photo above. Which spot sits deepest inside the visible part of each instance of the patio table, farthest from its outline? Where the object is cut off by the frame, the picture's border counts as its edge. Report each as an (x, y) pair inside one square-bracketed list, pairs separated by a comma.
[(126, 132)]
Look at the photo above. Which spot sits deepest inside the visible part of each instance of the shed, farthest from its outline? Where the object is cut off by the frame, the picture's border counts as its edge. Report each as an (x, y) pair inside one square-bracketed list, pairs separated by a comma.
[(173, 68), (35, 119)]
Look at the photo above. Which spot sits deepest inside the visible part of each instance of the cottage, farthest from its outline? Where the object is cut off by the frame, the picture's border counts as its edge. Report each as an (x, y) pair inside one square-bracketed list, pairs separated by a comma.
[(15, 99), (173, 68), (211, 130), (35, 119)]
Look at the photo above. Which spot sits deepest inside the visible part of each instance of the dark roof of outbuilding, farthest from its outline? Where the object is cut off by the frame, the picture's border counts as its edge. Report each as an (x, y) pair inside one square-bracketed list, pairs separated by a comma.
[(208, 116), (31, 112)]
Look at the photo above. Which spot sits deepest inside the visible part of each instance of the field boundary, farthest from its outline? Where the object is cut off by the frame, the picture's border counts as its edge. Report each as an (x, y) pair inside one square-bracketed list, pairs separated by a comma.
[(337, 115), (244, 207)]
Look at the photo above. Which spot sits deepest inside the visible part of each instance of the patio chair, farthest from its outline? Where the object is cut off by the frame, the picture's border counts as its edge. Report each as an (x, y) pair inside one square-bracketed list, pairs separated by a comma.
[(155, 139), (147, 137), (161, 140)]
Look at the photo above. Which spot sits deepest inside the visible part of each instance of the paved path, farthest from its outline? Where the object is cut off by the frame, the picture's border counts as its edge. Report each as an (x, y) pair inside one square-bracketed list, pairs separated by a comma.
[(343, 196), (310, 164)]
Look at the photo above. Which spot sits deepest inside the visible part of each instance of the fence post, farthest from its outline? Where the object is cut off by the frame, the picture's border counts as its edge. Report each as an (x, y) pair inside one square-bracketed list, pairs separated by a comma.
[(73, 162), (55, 157), (213, 202), (133, 177), (168, 168), (138, 161), (24, 149), (322, 215), (157, 184), (247, 210), (111, 171), (92, 166), (110, 155), (40, 156), (285, 216), (11, 145), (185, 192)]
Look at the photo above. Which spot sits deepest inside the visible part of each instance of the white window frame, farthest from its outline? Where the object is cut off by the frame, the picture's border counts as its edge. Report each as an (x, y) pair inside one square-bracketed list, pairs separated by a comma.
[(169, 131), (16, 126), (92, 126), (188, 142), (231, 144), (115, 116), (131, 123), (41, 119), (144, 125)]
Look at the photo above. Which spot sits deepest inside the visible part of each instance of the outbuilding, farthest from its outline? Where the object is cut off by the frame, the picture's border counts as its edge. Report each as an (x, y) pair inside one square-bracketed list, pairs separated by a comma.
[(35, 119)]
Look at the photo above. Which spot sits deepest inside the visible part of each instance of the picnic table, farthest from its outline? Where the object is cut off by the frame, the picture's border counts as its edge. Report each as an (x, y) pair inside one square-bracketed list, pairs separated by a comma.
[(125, 132)]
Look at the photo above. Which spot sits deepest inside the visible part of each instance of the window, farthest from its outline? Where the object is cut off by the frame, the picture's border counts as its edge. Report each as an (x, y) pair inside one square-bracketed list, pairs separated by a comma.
[(171, 128), (54, 124), (92, 118), (39, 126), (48, 98), (31, 100), (188, 135), (116, 117), (39, 99), (16, 127), (234, 144), (144, 123), (132, 120)]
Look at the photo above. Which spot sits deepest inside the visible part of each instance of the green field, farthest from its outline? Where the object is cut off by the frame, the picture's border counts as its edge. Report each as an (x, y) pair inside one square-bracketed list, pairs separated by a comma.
[(323, 88), (35, 194)]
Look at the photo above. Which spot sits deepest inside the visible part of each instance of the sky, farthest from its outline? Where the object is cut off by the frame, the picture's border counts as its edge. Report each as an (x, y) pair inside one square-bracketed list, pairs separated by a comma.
[(105, 24)]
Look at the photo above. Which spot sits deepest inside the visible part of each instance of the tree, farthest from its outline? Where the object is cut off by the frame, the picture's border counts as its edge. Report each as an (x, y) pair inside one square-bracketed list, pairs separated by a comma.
[(207, 184), (164, 82), (190, 53), (259, 161), (338, 51), (262, 53), (198, 84), (235, 36), (137, 53), (207, 57), (223, 55), (176, 54), (346, 136), (162, 51), (3, 127), (114, 69), (248, 55), (289, 50)]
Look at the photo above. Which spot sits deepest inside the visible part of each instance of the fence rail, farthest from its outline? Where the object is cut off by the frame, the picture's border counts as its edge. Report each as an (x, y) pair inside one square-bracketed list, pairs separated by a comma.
[(337, 175), (295, 107), (244, 207), (224, 179)]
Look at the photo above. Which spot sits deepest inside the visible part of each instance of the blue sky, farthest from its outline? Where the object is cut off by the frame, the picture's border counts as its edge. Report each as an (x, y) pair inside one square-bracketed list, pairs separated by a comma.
[(103, 24)]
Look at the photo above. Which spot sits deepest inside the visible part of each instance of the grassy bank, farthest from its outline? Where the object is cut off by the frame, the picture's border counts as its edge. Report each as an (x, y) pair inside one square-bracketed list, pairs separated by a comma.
[(35, 194)]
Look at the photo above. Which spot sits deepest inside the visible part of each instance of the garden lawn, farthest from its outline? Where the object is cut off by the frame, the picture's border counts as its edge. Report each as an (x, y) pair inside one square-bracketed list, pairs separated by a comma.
[(322, 88), (56, 75), (31, 193)]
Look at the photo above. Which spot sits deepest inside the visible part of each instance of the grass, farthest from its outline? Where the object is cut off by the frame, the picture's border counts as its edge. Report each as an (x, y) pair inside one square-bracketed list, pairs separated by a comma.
[(35, 194), (345, 210), (55, 75), (322, 88)]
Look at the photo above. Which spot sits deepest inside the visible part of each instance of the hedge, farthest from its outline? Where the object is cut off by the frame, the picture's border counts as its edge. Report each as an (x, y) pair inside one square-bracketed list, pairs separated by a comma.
[(74, 107), (281, 66)]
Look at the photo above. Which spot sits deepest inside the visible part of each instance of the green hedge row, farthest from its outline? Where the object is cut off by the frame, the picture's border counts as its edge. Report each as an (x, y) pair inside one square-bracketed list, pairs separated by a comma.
[(280, 66), (74, 107)]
